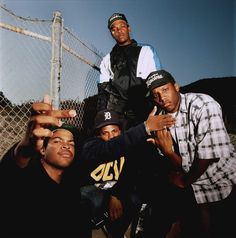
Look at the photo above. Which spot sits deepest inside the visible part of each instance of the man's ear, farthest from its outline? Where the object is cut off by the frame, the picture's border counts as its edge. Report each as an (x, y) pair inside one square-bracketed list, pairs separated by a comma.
[(129, 28), (42, 151), (176, 87)]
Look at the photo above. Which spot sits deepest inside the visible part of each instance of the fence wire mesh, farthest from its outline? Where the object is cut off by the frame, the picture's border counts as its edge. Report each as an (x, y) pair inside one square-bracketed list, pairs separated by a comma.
[(26, 62)]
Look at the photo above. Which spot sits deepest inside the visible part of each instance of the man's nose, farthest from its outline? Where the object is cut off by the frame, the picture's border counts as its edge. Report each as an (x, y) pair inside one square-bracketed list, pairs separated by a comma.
[(65, 144), (111, 135), (118, 28), (161, 97)]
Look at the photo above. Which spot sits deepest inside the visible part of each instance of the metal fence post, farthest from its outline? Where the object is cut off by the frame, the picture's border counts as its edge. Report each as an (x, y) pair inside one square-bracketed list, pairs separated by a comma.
[(37, 57), (56, 59)]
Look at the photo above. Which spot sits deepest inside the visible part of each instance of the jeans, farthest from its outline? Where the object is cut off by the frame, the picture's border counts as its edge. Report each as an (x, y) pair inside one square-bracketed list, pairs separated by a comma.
[(99, 200)]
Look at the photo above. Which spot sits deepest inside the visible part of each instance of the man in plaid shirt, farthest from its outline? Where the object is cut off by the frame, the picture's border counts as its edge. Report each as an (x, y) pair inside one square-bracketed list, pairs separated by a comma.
[(201, 158)]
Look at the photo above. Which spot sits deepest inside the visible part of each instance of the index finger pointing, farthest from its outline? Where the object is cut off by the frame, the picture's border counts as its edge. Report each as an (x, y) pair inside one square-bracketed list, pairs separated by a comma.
[(63, 113)]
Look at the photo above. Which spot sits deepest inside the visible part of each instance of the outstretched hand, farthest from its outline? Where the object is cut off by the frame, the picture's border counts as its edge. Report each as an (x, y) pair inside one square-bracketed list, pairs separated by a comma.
[(42, 115)]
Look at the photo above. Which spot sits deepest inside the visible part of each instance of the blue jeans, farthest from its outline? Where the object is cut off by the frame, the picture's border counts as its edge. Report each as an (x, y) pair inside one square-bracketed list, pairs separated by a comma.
[(99, 200)]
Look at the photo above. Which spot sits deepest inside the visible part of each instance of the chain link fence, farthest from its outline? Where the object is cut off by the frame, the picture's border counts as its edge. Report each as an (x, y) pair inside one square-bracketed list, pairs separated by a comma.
[(39, 57)]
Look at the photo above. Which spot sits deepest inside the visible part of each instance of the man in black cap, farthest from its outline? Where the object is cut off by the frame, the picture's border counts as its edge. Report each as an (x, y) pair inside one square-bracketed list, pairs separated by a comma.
[(111, 171), (113, 200), (201, 156), (121, 86)]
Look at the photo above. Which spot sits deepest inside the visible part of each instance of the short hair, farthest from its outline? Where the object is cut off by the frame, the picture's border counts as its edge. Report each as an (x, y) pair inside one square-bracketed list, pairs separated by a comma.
[(74, 130)]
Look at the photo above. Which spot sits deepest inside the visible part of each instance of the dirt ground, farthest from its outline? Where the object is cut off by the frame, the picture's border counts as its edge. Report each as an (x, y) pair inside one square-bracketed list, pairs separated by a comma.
[(100, 234)]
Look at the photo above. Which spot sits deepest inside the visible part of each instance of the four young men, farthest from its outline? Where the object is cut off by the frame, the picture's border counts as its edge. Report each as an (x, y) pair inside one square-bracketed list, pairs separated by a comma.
[(198, 188)]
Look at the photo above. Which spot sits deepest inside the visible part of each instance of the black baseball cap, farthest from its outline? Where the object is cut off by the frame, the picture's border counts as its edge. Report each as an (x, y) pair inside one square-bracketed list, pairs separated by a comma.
[(158, 78), (114, 17), (106, 117)]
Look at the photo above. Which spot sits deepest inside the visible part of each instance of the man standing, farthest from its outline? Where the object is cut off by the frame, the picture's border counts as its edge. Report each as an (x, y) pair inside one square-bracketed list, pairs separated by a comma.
[(121, 87)]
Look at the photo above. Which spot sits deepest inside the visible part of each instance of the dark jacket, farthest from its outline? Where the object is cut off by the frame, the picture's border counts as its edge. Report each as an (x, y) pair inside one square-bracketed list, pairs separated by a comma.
[(126, 92), (113, 160), (34, 205)]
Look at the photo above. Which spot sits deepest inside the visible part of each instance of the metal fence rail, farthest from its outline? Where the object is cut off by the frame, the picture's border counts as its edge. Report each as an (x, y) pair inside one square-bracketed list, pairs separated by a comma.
[(38, 57)]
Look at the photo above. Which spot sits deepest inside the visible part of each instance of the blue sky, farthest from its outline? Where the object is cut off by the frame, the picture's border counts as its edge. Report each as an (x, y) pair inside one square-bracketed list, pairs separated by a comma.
[(194, 38)]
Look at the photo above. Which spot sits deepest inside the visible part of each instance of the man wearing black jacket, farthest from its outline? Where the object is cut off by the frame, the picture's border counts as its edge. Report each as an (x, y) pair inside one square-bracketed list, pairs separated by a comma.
[(37, 197), (112, 191), (111, 170), (121, 85)]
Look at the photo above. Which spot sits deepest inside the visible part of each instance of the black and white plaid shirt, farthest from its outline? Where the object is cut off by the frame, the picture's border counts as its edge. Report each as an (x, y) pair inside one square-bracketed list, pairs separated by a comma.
[(200, 133)]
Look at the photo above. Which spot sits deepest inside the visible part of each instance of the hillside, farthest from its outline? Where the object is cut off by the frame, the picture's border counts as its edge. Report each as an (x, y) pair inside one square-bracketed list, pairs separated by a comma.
[(222, 90)]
